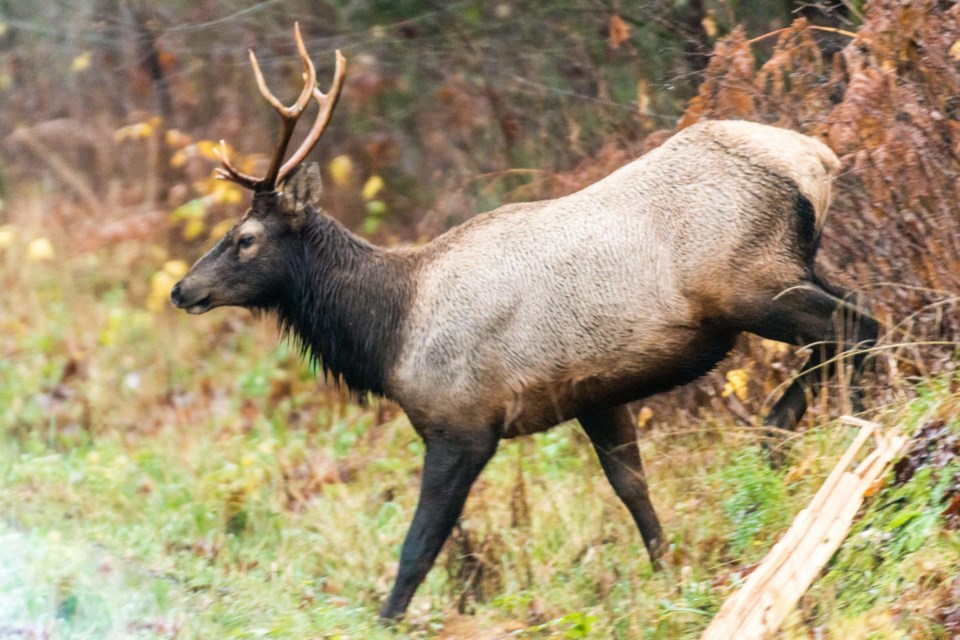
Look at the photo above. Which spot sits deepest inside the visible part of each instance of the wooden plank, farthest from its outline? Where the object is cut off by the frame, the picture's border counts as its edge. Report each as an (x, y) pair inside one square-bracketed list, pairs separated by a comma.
[(771, 592), (736, 609)]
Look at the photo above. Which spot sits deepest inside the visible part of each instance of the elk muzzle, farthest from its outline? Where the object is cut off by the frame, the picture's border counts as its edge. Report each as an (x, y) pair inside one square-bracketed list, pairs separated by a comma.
[(194, 299)]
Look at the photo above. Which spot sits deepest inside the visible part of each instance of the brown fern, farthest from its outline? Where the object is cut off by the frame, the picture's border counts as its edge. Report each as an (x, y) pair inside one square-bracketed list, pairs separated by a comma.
[(889, 105)]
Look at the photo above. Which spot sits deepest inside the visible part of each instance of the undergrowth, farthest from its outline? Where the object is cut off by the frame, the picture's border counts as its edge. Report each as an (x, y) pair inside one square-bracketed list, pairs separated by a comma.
[(757, 502)]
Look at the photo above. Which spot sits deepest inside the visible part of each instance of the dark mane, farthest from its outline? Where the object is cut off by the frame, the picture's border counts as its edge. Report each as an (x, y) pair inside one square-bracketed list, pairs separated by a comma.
[(346, 304)]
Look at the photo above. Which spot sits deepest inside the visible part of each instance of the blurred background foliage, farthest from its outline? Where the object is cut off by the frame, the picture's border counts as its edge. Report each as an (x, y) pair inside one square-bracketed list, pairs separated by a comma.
[(203, 451), (455, 106), (452, 108)]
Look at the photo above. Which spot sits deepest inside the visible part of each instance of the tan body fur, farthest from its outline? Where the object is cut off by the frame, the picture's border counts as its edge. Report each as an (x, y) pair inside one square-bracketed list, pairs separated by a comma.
[(528, 314)]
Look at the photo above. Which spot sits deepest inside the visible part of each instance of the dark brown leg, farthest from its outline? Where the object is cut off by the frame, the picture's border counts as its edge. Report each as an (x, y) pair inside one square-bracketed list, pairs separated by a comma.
[(614, 436), (450, 467)]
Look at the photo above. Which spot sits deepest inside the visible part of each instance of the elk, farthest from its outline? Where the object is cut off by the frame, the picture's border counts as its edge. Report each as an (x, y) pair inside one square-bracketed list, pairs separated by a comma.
[(538, 313)]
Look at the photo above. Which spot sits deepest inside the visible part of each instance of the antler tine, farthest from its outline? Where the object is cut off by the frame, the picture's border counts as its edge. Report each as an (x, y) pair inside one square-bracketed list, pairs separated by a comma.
[(288, 115), (310, 80), (229, 172), (326, 102)]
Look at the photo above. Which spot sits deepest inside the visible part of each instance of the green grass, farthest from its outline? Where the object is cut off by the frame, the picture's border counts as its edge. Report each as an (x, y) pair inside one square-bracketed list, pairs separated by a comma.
[(168, 476)]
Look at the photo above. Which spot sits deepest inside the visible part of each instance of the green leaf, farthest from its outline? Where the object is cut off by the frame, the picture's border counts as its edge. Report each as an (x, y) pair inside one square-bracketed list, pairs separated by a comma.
[(901, 519), (188, 211)]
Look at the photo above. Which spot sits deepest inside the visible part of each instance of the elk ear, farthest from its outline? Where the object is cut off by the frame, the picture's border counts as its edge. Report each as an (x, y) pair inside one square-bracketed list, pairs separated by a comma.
[(301, 190)]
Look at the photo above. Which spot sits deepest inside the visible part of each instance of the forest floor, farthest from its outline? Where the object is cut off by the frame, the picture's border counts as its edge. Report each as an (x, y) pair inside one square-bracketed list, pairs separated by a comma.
[(167, 476)]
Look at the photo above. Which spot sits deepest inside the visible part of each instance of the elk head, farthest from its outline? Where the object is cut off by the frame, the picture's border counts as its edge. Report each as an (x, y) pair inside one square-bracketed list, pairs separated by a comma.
[(248, 265)]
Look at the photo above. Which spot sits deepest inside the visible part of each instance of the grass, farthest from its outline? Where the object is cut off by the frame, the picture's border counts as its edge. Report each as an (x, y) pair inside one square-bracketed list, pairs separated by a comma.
[(169, 476)]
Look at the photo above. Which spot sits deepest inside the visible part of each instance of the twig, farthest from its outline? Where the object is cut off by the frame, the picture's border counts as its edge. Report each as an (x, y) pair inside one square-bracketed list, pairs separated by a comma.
[(64, 171), (814, 27)]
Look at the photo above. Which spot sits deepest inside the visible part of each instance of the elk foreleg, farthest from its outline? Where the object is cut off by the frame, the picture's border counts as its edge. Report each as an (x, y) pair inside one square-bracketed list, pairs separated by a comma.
[(450, 467)]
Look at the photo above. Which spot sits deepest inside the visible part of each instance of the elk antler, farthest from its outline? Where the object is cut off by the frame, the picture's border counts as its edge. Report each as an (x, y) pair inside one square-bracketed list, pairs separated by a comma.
[(289, 116)]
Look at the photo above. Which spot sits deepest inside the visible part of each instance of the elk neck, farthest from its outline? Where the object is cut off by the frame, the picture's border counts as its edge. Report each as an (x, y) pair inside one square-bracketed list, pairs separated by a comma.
[(347, 303)]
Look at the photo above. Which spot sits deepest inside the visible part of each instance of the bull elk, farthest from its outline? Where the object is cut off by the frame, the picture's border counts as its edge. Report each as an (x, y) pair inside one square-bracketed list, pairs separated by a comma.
[(537, 313)]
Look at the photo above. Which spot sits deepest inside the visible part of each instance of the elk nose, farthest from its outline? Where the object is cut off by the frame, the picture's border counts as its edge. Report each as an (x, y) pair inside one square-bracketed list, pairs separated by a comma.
[(175, 296)]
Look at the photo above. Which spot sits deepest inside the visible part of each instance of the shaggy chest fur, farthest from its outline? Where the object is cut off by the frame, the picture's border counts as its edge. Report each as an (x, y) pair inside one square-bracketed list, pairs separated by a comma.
[(347, 304)]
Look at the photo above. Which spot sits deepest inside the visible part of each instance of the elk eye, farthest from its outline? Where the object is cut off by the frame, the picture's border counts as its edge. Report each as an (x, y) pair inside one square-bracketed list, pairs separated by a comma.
[(245, 241)]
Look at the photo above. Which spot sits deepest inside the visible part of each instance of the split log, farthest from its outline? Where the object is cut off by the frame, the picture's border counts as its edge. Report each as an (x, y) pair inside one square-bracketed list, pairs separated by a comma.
[(770, 593)]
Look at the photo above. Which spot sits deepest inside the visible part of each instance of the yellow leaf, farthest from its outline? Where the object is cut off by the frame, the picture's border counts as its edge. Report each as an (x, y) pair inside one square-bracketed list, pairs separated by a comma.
[(116, 320), (341, 170), (3, 29), (643, 97), (40, 250), (179, 158), (138, 131), (206, 149), (876, 486), (736, 384), (249, 163), (776, 348), (372, 187), (176, 138), (709, 24), (797, 472), (208, 185), (643, 418), (221, 228), (376, 208), (193, 228), (176, 268), (226, 193), (6, 236), (160, 285), (81, 62), (955, 50)]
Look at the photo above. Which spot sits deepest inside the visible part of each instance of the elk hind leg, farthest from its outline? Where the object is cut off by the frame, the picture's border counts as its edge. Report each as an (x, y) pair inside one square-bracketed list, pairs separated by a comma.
[(825, 318), (614, 436)]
